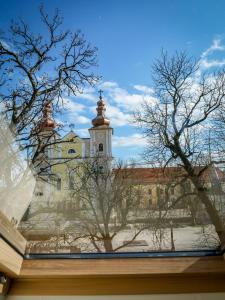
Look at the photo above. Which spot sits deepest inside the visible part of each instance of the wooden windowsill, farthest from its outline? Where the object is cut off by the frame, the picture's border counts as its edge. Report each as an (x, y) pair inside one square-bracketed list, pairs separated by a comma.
[(120, 276), (57, 268)]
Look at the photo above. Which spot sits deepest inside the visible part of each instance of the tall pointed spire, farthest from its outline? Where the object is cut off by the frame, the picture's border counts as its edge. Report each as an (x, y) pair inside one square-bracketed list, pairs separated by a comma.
[(100, 119), (46, 123)]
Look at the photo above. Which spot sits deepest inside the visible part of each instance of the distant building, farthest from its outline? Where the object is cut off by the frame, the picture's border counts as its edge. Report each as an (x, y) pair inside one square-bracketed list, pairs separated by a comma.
[(55, 166), (158, 185)]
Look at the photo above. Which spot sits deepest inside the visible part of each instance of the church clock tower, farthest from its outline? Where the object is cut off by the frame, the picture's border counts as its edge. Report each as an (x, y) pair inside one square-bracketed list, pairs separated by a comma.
[(101, 134)]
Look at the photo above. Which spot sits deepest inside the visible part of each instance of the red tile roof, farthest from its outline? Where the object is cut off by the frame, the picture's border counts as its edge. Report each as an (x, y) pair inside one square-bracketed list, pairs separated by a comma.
[(161, 175)]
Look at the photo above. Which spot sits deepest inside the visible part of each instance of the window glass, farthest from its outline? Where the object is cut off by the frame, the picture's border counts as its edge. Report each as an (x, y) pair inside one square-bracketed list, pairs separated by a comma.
[(59, 183), (100, 147), (157, 183), (71, 151)]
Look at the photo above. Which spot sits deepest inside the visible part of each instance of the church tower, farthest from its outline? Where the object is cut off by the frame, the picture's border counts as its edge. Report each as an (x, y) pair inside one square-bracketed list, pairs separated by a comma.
[(45, 135), (44, 138), (101, 134)]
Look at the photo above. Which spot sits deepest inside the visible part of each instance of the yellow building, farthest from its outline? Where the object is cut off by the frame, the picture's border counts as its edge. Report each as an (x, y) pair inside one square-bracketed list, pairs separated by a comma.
[(57, 164)]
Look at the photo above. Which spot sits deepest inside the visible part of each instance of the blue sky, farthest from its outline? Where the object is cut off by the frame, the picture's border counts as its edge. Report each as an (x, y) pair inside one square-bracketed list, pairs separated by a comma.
[(129, 36)]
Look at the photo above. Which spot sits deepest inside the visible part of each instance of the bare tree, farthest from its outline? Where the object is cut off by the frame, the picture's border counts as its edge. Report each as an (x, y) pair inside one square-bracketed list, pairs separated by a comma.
[(107, 201), (178, 123), (37, 70)]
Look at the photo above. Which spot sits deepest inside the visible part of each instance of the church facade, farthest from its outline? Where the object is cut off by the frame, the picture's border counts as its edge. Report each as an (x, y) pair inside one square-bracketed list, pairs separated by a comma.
[(65, 153)]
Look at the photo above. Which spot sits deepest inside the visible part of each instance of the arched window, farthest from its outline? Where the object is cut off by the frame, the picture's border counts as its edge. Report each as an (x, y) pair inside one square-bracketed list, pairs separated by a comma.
[(172, 190), (101, 169), (100, 147), (71, 180), (150, 197), (59, 184), (71, 151)]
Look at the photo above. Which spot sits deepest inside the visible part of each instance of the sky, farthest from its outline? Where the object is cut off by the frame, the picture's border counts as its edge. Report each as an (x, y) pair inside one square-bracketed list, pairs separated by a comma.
[(129, 35)]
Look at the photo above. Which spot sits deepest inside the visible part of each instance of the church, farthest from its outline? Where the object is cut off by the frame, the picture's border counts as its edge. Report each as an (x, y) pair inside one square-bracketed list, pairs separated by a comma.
[(64, 153)]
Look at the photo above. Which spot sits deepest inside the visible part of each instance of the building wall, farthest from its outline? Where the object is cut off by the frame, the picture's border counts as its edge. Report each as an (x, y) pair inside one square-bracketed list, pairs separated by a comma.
[(100, 136), (76, 145), (153, 193), (64, 167)]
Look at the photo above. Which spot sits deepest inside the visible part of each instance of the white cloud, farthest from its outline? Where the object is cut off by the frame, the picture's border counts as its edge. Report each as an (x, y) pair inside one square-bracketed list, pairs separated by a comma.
[(108, 85), (82, 132), (88, 94), (143, 88), (72, 106), (81, 120), (73, 112), (130, 102), (117, 117), (206, 62), (87, 97), (216, 46), (134, 140)]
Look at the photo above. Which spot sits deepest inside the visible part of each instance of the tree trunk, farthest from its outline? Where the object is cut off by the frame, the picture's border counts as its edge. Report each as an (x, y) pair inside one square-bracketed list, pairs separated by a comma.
[(204, 198), (210, 208), (108, 244), (171, 236)]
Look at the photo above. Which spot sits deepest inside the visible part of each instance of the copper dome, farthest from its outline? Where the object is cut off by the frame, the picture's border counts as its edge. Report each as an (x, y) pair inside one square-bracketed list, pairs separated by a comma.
[(100, 119), (46, 123)]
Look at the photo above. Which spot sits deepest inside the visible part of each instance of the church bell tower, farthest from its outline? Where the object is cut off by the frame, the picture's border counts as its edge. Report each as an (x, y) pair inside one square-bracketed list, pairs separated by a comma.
[(101, 134)]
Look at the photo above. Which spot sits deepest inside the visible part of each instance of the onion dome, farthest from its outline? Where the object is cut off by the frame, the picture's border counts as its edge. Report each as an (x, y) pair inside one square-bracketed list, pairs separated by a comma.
[(46, 122), (100, 119)]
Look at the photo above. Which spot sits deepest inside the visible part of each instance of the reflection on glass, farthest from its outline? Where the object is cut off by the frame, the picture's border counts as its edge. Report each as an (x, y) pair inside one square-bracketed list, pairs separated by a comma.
[(91, 203)]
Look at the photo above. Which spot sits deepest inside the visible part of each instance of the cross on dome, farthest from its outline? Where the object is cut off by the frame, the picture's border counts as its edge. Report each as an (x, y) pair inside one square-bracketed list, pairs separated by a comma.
[(100, 119), (100, 93)]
